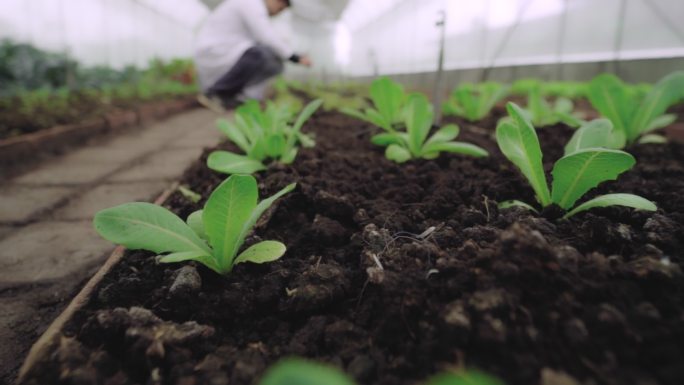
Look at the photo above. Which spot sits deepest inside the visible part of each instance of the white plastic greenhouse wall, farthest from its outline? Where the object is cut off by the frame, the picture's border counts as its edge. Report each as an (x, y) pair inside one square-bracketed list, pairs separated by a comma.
[(362, 38)]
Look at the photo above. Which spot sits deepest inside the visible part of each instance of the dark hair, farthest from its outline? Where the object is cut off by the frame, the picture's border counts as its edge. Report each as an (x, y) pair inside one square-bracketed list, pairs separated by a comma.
[(287, 2)]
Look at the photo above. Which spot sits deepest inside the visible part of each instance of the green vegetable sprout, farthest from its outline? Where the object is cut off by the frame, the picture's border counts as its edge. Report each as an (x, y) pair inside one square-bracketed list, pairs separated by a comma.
[(598, 133), (297, 371), (573, 175), (261, 135), (542, 113), (636, 111), (212, 236), (414, 143), (474, 102), (388, 98)]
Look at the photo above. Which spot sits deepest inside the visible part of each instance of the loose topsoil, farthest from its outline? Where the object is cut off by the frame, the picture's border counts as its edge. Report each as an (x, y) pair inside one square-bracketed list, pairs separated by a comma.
[(597, 299)]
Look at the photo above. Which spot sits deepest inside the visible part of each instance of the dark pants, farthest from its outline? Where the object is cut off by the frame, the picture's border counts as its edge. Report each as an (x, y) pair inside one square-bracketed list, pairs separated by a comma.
[(255, 65)]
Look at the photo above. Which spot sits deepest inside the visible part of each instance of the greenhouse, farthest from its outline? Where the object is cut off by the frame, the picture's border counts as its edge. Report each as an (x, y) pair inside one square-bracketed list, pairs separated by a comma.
[(341, 192)]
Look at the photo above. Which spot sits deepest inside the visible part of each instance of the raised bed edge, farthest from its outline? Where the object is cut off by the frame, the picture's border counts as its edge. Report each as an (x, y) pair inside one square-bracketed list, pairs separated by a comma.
[(23, 149), (43, 345)]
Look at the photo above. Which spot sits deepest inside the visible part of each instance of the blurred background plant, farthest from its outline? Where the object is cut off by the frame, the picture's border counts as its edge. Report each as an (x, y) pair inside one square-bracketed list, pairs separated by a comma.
[(40, 89)]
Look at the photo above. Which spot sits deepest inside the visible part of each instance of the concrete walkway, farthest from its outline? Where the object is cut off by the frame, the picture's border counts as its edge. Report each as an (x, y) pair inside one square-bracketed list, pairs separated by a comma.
[(48, 247)]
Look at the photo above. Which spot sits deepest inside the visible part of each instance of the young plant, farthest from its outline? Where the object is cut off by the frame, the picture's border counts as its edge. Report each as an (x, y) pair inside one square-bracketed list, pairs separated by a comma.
[(635, 112), (573, 175), (598, 133), (297, 371), (542, 113), (262, 135), (474, 102), (414, 142), (212, 237), (388, 98)]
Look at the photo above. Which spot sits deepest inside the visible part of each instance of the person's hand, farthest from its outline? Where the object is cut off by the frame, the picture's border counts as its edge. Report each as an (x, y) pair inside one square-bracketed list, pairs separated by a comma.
[(305, 61)]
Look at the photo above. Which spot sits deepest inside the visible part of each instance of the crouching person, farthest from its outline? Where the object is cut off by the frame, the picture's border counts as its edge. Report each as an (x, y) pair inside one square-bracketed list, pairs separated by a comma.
[(237, 51)]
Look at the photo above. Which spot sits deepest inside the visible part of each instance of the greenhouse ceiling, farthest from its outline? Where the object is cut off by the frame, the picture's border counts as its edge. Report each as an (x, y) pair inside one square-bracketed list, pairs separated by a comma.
[(361, 37)]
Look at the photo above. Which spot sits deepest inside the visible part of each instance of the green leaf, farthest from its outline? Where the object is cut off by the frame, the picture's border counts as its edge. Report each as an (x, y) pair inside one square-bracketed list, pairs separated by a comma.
[(418, 121), (289, 157), (627, 200), (516, 203), (261, 208), (397, 153), (457, 148), (388, 97), (262, 252), (652, 139), (229, 163), (202, 258), (563, 106), (664, 93), (464, 378), (234, 134), (598, 133), (148, 227), (305, 140), (579, 172), (377, 119), (444, 134), (229, 207), (189, 194), (519, 143), (609, 96), (386, 139), (356, 114), (306, 113), (661, 122), (275, 145), (196, 223), (295, 371)]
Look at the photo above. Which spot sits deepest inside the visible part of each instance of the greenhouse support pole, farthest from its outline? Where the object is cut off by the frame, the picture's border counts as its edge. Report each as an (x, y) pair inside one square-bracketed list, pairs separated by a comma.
[(437, 92), (666, 20), (504, 42), (620, 30), (560, 44)]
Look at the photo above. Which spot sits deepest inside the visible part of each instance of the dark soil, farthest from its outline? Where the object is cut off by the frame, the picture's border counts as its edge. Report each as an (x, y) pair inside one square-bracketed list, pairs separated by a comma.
[(599, 297)]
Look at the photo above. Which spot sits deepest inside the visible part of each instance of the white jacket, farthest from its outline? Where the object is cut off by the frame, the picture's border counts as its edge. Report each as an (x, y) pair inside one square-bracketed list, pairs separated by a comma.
[(230, 30)]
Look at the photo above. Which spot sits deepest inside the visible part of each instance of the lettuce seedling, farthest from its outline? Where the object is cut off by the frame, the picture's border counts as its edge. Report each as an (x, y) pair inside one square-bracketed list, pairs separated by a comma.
[(414, 142), (634, 111), (598, 133), (474, 102), (212, 236), (573, 175), (297, 371), (261, 135), (542, 113), (388, 98)]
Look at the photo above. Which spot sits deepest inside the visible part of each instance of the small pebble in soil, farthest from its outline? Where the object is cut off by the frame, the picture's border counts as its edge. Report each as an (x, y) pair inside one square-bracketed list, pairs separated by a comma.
[(333, 206), (552, 377), (329, 231), (568, 257), (488, 301), (576, 331), (361, 368), (660, 229), (187, 281), (375, 240)]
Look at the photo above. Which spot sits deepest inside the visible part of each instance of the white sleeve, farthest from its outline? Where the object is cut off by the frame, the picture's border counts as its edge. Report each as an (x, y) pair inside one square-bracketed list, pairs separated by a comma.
[(256, 20)]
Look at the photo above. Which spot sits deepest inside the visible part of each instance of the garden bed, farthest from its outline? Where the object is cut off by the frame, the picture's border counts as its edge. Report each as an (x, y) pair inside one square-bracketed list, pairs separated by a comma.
[(17, 153), (599, 297)]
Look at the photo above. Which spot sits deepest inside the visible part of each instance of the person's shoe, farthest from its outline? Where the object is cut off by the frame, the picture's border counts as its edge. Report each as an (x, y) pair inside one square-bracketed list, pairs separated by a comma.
[(231, 104), (211, 102)]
